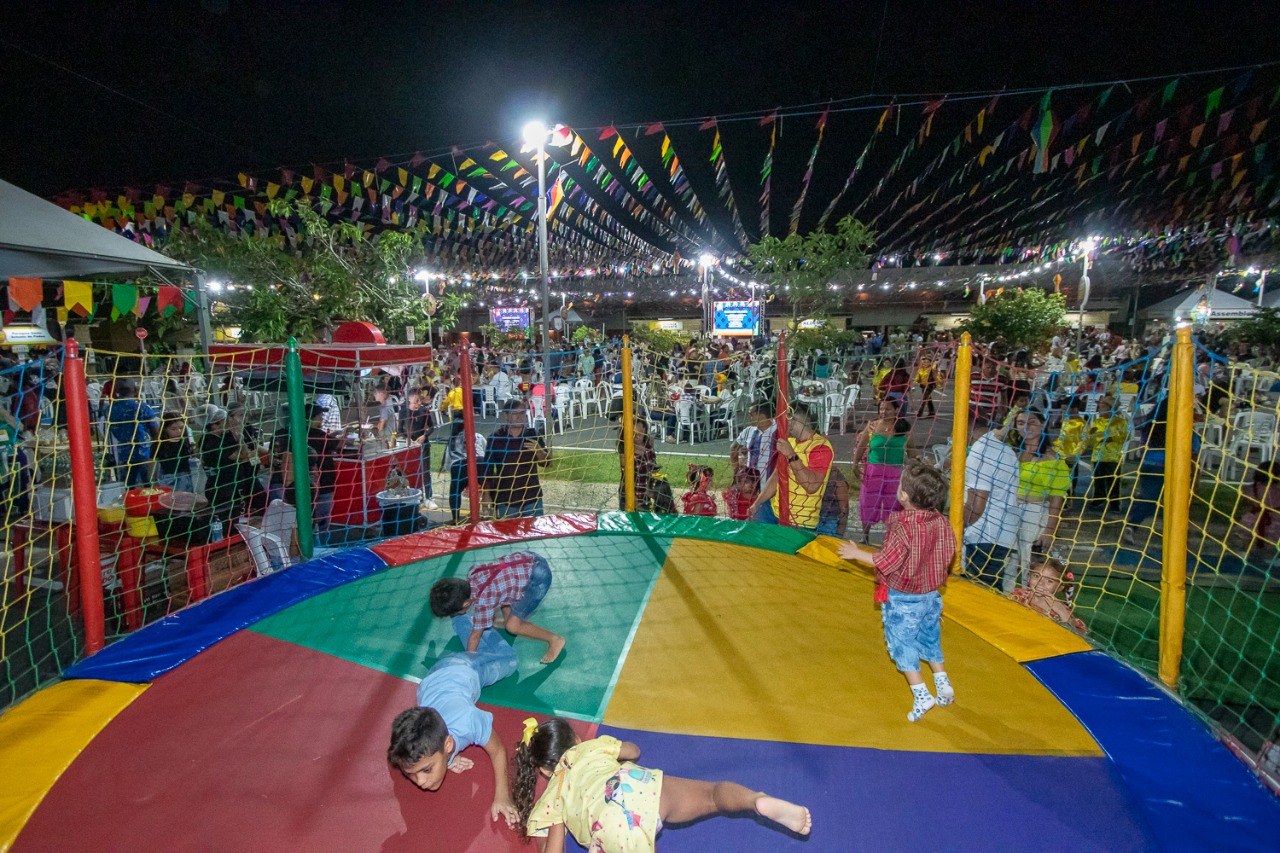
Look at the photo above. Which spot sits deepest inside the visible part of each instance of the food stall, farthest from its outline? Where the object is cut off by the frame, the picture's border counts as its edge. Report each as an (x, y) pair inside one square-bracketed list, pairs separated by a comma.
[(347, 370)]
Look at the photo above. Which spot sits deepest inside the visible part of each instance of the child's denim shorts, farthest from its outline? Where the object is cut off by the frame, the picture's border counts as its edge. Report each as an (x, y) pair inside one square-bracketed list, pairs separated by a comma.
[(535, 590), (913, 628)]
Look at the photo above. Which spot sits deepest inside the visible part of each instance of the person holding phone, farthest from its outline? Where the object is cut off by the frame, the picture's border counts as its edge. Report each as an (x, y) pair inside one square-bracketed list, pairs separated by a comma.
[(511, 464)]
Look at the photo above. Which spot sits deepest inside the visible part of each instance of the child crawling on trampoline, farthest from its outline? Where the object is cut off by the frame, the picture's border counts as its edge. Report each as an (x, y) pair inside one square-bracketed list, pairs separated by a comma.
[(612, 805), (426, 740), (514, 584), (911, 567)]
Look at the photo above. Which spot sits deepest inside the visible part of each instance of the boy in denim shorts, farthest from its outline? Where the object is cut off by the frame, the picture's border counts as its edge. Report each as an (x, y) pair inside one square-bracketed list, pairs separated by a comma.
[(913, 564), (514, 584)]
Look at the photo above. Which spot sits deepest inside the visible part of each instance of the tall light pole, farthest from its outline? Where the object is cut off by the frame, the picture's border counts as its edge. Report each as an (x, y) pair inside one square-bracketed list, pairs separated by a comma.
[(1088, 247), (535, 133), (708, 313)]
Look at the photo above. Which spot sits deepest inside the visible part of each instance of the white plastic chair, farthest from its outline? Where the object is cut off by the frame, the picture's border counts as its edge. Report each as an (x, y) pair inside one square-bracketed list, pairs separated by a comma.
[(585, 393), (832, 408), (538, 413), (727, 419), (1250, 432), (702, 390), (488, 398), (687, 419), (267, 552), (834, 386), (851, 393), (568, 402)]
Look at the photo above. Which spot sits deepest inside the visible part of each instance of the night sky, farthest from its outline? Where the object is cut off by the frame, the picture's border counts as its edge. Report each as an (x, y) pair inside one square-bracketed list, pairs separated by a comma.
[(255, 86)]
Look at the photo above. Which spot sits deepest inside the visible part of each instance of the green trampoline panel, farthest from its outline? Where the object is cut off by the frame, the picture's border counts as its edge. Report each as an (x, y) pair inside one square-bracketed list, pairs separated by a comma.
[(599, 585)]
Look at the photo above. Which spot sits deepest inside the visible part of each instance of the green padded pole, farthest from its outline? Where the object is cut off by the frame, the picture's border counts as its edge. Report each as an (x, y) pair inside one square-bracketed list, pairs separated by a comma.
[(301, 454)]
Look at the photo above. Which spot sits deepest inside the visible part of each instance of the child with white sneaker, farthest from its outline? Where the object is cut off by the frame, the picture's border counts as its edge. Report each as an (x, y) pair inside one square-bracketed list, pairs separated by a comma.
[(911, 567)]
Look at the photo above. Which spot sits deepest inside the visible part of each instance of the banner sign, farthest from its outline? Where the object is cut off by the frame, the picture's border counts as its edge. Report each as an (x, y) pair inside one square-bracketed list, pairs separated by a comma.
[(508, 319), (737, 317)]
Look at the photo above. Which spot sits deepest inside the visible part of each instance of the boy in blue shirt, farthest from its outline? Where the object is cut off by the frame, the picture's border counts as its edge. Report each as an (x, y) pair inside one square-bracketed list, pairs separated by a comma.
[(426, 740)]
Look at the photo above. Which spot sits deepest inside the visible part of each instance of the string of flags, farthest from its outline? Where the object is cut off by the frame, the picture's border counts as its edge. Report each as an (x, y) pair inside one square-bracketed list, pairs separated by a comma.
[(35, 296), (951, 178)]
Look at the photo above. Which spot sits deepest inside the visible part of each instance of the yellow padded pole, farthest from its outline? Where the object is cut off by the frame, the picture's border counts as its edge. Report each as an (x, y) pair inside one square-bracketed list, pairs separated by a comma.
[(1177, 508), (628, 429), (960, 441)]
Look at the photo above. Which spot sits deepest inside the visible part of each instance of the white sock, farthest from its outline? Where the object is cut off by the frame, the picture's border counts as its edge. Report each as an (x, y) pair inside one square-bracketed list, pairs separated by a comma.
[(942, 684), (923, 702)]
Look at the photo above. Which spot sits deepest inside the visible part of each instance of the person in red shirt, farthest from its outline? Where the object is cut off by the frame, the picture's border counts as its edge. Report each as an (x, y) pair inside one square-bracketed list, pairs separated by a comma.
[(699, 500), (738, 497), (910, 569)]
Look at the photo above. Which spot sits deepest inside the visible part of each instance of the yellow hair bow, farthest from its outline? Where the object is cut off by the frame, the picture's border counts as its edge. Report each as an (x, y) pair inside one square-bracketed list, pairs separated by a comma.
[(530, 726)]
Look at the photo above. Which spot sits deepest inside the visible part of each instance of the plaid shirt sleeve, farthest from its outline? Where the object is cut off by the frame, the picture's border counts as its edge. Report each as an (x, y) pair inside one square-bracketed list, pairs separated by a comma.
[(893, 555), (483, 605), (504, 588)]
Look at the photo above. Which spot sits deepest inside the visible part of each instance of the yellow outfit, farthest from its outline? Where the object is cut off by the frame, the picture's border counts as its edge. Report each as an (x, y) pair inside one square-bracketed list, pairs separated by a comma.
[(453, 400), (803, 507), (927, 377), (1070, 441), (607, 805), (1044, 478), (1107, 438)]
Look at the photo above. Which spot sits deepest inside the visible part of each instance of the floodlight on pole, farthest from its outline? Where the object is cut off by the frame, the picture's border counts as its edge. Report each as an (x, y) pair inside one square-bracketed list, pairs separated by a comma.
[(535, 134), (1087, 246)]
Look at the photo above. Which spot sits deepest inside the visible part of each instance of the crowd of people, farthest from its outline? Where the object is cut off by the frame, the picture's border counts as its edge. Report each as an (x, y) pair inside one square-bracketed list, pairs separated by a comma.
[(1052, 433)]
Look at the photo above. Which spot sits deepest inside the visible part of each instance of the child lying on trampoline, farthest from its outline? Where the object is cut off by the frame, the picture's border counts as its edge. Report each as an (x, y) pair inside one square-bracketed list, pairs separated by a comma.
[(612, 805), (514, 584), (910, 568)]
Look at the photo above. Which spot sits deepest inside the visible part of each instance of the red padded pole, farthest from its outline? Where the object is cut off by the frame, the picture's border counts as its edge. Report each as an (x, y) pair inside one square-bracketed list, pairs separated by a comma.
[(84, 494)]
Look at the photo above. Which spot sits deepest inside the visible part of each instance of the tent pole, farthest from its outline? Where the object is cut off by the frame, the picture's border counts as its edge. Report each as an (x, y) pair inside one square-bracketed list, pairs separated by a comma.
[(202, 314)]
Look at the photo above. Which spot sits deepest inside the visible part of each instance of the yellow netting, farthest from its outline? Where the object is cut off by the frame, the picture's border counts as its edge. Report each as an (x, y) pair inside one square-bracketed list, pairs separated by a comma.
[(1081, 536), (39, 604)]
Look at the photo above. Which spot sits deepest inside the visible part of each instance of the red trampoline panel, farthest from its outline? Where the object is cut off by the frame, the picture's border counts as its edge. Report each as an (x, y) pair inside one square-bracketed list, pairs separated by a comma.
[(258, 744), (447, 540)]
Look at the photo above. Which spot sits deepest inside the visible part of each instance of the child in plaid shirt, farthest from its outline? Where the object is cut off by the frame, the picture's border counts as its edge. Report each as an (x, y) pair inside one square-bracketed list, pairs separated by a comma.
[(514, 584), (910, 568)]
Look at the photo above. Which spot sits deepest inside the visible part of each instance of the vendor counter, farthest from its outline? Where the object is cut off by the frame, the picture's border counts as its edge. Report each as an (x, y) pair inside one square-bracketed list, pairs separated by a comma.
[(362, 472)]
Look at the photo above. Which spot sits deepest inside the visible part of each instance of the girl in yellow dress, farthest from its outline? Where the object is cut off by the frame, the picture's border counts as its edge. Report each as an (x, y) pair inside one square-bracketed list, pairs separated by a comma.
[(612, 805)]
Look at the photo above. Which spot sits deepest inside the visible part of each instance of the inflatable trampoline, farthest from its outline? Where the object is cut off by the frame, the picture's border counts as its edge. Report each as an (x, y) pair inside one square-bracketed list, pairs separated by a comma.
[(259, 719)]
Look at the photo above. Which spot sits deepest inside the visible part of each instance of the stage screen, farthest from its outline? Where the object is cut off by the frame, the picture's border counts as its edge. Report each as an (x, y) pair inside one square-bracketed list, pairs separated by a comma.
[(737, 317), (507, 319)]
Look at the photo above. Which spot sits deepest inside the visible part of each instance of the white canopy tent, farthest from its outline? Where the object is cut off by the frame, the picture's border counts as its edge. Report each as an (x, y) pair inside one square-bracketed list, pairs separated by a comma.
[(1222, 306), (38, 239)]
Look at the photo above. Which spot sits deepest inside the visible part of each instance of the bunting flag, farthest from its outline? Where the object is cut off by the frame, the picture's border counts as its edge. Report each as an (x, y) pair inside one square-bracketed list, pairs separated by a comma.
[(141, 308), (766, 179), (123, 299), (25, 294), (169, 300), (808, 174), (555, 196), (77, 296)]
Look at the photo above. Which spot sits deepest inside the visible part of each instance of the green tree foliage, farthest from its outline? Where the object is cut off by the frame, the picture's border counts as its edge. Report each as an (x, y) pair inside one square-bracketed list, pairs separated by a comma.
[(338, 271), (657, 340), (825, 338), (1024, 318), (1260, 329), (806, 268)]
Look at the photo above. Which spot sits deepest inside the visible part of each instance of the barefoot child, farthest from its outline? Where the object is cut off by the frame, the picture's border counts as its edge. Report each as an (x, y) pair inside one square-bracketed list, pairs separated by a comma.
[(514, 584), (913, 564), (612, 805)]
